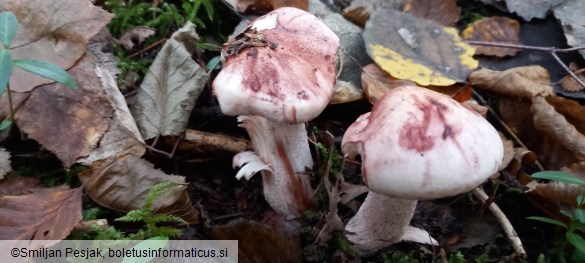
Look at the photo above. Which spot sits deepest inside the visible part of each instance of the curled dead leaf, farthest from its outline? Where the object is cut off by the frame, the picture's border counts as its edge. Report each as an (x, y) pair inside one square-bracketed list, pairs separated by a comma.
[(548, 120), (494, 29), (122, 184), (134, 35), (523, 82)]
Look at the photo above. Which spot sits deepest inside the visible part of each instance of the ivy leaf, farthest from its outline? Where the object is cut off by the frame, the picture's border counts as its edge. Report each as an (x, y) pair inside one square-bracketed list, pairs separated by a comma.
[(559, 177), (5, 69), (8, 26)]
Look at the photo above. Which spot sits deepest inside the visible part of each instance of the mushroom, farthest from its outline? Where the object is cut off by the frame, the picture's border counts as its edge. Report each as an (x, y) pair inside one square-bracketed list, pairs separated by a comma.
[(278, 74), (415, 144)]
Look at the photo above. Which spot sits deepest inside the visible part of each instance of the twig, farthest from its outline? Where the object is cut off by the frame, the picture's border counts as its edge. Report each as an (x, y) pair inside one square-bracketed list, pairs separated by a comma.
[(551, 50), (504, 222), (156, 43)]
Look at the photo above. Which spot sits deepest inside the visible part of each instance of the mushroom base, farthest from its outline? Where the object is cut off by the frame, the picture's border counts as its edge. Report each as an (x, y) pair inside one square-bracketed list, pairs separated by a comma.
[(382, 221)]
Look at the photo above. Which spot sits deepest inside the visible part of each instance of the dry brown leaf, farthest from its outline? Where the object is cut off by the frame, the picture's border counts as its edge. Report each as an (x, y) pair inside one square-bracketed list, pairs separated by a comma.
[(135, 35), (276, 244), (553, 123), (122, 184), (345, 92), (46, 214), (359, 10), (556, 191), (18, 185), (444, 12), (523, 82), (123, 136), (261, 7), (569, 83), (517, 115), (52, 31), (68, 122), (508, 152), (494, 29)]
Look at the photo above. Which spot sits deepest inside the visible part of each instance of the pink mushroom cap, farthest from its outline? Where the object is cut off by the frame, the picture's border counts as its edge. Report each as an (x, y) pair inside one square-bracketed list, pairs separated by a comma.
[(420, 144), (291, 79)]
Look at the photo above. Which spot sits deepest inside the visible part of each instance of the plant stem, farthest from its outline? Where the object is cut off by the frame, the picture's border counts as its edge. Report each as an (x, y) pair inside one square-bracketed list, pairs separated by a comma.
[(10, 108)]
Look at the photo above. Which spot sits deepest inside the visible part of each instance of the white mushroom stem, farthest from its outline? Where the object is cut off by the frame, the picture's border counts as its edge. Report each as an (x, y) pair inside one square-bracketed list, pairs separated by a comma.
[(285, 155), (382, 221)]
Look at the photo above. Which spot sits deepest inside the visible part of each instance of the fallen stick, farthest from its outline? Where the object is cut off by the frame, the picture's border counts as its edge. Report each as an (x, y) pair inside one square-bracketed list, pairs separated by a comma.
[(504, 222)]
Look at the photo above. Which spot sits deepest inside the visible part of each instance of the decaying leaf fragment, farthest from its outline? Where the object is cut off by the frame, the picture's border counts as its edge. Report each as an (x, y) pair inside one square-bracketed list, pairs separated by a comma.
[(45, 214), (122, 184), (135, 34), (494, 29), (569, 83), (529, 9), (48, 31), (169, 90), (444, 12), (68, 122), (418, 50), (4, 163), (570, 14), (523, 82)]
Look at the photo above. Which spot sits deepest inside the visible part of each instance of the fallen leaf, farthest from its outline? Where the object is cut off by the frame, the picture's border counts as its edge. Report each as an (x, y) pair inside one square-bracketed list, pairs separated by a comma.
[(523, 82), (359, 10), (18, 185), (46, 214), (276, 244), (570, 13), (509, 152), (569, 83), (345, 92), (53, 31), (376, 82), (444, 12), (123, 136), (205, 142), (418, 50), (122, 184), (260, 7), (68, 122), (494, 29), (529, 9), (101, 47), (169, 90), (134, 35)]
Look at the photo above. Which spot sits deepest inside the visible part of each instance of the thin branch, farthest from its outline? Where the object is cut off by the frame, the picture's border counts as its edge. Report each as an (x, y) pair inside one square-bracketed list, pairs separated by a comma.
[(504, 222), (551, 50)]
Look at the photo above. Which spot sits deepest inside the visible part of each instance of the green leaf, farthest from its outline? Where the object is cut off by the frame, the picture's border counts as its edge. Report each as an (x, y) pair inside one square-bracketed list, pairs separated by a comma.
[(5, 124), (580, 200), (559, 177), (46, 70), (547, 220), (580, 215), (576, 240), (566, 213), (8, 26), (153, 243), (5, 69)]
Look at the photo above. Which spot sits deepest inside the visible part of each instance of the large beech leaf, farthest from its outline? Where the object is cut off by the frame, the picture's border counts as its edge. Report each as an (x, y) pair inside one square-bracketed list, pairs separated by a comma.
[(122, 184), (53, 31), (123, 136), (169, 91), (68, 122), (418, 50), (45, 214)]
